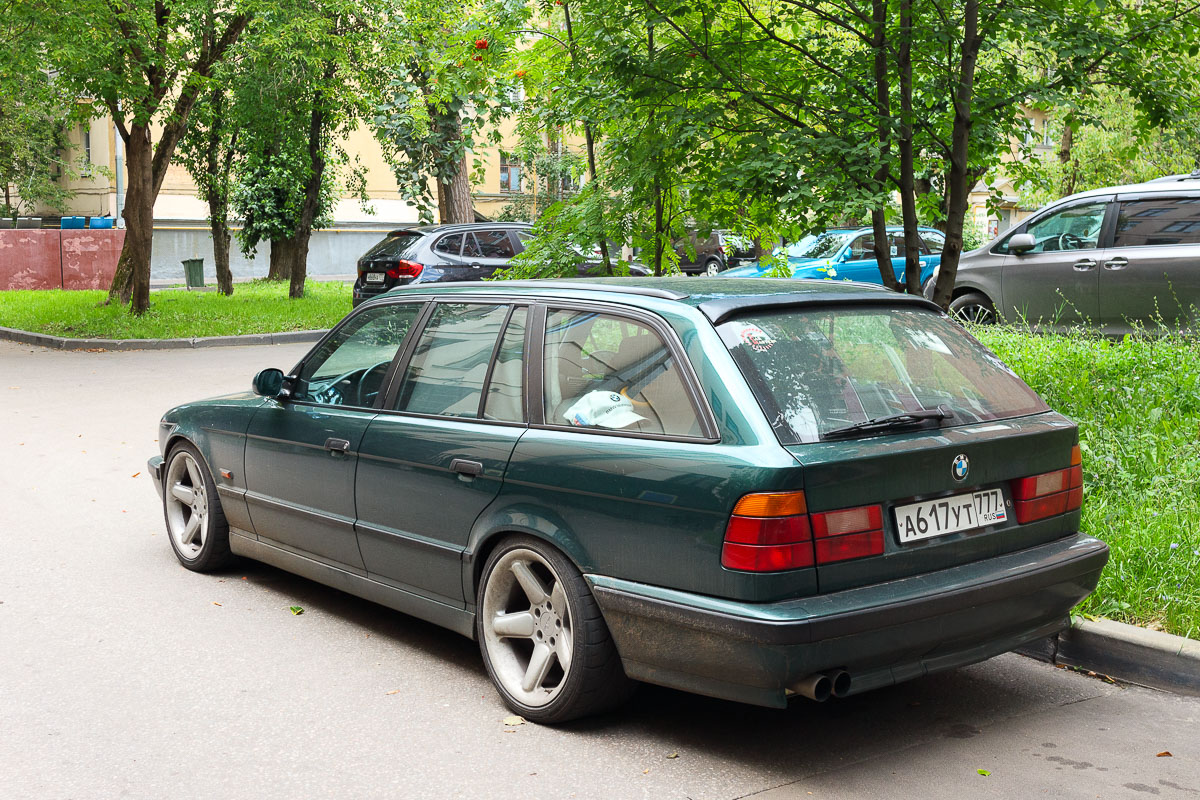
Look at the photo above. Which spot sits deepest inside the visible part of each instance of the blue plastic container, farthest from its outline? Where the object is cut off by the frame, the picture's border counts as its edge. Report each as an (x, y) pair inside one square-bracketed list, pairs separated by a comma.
[(72, 222), (100, 222)]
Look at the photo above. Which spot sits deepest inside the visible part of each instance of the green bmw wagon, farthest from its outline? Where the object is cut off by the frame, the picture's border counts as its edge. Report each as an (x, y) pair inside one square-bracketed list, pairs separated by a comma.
[(750, 489)]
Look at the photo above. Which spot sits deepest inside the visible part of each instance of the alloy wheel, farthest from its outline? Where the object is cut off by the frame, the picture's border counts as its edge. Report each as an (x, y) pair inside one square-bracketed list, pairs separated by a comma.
[(527, 627), (976, 313), (187, 504)]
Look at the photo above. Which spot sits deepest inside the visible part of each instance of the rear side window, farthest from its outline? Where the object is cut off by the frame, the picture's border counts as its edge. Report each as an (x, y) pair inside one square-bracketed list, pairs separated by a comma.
[(817, 370), (403, 244), (494, 244), (449, 366), (612, 373), (450, 245), (1164, 221)]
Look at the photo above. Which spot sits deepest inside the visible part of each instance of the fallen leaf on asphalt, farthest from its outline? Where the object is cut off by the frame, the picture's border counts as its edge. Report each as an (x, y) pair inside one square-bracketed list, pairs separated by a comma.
[(1164, 754), (645, 772), (673, 755), (297, 610), (134, 475), (393, 691), (983, 772), (215, 603), (515, 719)]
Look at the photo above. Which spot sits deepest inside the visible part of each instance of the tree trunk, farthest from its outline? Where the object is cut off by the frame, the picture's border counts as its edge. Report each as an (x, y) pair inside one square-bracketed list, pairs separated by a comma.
[(458, 196), (659, 232), (1070, 170), (908, 200), (312, 191), (219, 223), (280, 268), (131, 283), (443, 193), (883, 131), (961, 177)]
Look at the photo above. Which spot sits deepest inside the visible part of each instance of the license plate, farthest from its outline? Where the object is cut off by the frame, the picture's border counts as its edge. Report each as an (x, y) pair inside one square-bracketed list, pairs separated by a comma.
[(375, 277), (962, 512)]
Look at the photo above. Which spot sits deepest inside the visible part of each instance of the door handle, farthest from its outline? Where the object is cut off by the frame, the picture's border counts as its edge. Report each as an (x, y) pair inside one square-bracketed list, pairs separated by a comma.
[(337, 446), (468, 469), (1120, 262), (1084, 265), (476, 266)]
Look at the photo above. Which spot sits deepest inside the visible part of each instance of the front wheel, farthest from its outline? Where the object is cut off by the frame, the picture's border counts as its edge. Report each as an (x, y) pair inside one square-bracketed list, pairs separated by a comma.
[(195, 520), (712, 267), (973, 307), (544, 642)]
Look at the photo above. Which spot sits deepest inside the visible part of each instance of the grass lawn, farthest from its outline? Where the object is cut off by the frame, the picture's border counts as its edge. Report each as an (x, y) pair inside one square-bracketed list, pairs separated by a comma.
[(255, 307), (1137, 402)]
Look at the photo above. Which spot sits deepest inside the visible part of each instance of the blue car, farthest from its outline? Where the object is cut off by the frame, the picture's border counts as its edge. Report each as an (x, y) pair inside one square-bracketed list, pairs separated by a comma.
[(849, 254)]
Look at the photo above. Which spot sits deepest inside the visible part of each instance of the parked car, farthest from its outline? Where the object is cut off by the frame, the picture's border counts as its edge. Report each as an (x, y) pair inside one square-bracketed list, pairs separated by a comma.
[(757, 491), (1114, 258), (722, 250), (848, 254), (439, 253)]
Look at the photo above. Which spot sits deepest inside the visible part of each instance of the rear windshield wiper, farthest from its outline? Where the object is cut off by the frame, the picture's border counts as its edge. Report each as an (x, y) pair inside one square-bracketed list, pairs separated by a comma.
[(892, 421)]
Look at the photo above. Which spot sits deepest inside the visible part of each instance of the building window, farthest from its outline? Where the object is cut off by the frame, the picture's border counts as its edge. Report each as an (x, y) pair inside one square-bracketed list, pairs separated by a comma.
[(85, 139), (510, 173)]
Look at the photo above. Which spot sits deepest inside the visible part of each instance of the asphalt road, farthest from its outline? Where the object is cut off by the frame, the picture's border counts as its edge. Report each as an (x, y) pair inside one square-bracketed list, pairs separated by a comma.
[(124, 675)]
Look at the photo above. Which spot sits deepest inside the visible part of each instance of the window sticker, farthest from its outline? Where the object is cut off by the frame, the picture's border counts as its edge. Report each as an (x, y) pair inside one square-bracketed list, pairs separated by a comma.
[(756, 338)]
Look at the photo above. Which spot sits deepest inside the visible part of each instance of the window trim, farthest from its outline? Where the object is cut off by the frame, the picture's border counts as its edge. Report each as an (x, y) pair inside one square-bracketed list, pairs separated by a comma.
[(385, 386), (1106, 226), (710, 433)]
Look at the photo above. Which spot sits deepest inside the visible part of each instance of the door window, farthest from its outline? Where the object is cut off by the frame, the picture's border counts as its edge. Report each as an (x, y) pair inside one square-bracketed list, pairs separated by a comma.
[(1165, 221), (862, 248), (449, 365), (607, 372), (449, 245), (494, 244), (506, 384), (934, 240), (348, 368), (1075, 228), (470, 246)]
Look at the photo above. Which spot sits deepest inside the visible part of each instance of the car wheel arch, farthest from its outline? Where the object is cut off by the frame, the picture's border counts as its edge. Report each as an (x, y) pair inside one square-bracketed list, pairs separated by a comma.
[(493, 527)]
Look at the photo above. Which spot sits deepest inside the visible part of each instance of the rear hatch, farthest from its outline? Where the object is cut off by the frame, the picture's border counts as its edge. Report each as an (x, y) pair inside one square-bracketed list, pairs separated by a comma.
[(391, 262), (917, 443)]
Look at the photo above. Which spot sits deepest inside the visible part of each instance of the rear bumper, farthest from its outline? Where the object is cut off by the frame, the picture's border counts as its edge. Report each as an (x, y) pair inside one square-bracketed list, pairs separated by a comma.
[(881, 634)]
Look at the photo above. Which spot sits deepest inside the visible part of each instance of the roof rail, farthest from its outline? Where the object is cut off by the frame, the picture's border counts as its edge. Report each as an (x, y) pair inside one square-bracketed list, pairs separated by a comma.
[(546, 283)]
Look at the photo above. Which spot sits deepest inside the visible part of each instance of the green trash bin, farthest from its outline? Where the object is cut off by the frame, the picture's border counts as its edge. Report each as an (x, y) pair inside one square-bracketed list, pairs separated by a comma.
[(193, 272)]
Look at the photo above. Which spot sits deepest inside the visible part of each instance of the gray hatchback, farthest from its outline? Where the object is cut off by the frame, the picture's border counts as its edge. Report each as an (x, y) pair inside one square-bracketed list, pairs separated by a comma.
[(1114, 258)]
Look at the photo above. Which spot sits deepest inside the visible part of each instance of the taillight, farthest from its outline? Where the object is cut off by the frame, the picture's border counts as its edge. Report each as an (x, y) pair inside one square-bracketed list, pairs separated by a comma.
[(771, 532), (768, 532), (848, 533), (1051, 493), (405, 269)]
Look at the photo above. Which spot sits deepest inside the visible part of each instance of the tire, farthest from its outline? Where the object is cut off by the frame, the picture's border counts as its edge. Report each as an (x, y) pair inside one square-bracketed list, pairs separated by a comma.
[(973, 307), (712, 267), (196, 525), (543, 639)]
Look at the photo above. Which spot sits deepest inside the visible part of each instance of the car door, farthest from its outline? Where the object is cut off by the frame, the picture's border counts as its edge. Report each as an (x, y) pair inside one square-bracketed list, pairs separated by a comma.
[(862, 265), (437, 453), (302, 450), (1151, 273), (495, 249), (1056, 283)]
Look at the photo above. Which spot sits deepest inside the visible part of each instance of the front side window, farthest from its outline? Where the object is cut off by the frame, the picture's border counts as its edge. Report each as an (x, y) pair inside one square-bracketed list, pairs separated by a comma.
[(611, 373), (348, 368), (1075, 228), (815, 371), (1160, 222), (449, 365), (934, 240)]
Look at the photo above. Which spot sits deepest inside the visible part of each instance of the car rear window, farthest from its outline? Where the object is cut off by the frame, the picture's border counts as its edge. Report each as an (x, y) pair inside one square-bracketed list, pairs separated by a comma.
[(817, 370), (402, 244)]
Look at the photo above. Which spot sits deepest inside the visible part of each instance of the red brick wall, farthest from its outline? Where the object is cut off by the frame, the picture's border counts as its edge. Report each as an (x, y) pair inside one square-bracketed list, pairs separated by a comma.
[(53, 259)]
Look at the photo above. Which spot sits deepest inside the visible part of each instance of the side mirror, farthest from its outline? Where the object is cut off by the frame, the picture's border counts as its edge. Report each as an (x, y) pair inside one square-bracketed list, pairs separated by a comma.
[(269, 383), (1021, 243)]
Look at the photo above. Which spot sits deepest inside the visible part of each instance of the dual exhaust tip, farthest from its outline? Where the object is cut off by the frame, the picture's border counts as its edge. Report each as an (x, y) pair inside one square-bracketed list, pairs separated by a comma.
[(820, 686)]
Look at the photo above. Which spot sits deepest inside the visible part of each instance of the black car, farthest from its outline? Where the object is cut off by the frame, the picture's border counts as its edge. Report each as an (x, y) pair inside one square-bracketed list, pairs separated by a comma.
[(440, 253), (720, 251)]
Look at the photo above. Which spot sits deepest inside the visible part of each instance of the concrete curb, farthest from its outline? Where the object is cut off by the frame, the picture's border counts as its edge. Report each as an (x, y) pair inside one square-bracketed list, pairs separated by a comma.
[(1125, 652), (61, 343)]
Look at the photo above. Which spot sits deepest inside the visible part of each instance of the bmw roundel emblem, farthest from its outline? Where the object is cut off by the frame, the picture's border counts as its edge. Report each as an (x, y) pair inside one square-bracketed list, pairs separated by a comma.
[(960, 467)]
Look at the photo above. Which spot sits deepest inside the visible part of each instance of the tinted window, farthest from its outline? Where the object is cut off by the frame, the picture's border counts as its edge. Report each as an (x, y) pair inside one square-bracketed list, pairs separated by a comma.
[(505, 388), (450, 245), (814, 371), (396, 245), (349, 367), (1075, 228), (449, 364), (494, 244), (1158, 222), (471, 247), (611, 373)]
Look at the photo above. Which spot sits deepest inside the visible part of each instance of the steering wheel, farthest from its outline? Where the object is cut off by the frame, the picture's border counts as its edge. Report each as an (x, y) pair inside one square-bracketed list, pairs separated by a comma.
[(1069, 241), (373, 376)]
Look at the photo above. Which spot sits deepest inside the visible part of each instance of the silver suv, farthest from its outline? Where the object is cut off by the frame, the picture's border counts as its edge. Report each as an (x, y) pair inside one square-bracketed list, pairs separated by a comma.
[(1111, 258)]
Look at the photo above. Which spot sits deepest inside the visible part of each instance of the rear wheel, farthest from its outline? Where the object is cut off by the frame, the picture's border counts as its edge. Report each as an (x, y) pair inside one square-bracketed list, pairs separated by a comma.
[(543, 640), (195, 520), (712, 267), (973, 307)]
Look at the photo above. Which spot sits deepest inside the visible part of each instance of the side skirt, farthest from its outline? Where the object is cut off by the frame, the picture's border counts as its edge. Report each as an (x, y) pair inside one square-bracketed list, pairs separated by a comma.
[(456, 619)]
